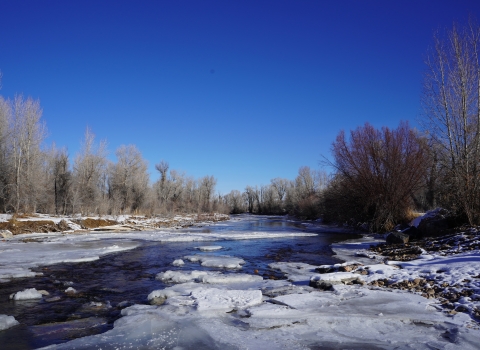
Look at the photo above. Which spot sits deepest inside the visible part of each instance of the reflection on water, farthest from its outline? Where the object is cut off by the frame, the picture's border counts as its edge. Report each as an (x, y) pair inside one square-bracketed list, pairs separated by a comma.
[(115, 281)]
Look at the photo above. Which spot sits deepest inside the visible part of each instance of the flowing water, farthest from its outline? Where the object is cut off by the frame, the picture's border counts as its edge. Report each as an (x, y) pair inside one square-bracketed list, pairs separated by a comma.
[(106, 286)]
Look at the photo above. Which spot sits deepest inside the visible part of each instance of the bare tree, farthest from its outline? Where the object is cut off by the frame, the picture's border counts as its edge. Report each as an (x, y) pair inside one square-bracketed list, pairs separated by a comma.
[(451, 103), (128, 181), (89, 174), (379, 170), (281, 186), (5, 112), (162, 168), (27, 133)]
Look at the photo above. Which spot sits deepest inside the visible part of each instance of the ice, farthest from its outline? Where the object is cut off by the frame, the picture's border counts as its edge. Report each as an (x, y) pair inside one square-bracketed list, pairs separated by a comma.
[(209, 248), (17, 258), (206, 277), (26, 294), (178, 262), (220, 261), (180, 276), (213, 299), (7, 322), (230, 278)]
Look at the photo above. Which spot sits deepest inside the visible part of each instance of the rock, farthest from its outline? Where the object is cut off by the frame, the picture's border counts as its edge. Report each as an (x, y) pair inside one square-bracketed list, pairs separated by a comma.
[(412, 232), (158, 301), (397, 238), (53, 299), (435, 224), (325, 269), (63, 225), (322, 285), (6, 234)]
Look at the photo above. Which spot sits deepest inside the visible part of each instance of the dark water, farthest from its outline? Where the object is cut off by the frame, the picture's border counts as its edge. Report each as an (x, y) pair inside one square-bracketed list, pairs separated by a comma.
[(106, 286)]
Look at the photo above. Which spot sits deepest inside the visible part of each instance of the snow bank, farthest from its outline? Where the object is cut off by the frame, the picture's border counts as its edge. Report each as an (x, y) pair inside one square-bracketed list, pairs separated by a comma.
[(7, 322)]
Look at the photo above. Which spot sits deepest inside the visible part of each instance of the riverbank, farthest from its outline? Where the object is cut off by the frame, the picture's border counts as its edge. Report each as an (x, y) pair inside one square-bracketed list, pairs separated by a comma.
[(42, 223)]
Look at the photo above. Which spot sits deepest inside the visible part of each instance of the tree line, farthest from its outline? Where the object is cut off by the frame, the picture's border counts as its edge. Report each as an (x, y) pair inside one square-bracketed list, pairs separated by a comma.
[(380, 176), (34, 179)]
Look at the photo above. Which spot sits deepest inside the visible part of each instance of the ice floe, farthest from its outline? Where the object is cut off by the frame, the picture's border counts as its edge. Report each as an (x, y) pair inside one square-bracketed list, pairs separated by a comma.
[(7, 322), (26, 294), (209, 248), (220, 261)]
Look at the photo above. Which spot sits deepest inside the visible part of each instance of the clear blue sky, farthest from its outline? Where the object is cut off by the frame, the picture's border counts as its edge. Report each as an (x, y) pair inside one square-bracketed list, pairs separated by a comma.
[(243, 90)]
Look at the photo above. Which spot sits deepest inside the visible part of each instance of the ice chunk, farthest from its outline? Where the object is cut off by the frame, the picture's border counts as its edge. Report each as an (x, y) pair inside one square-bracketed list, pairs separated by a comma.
[(209, 248), (26, 294), (206, 277), (230, 278), (221, 261), (7, 322), (178, 262), (180, 276), (213, 299)]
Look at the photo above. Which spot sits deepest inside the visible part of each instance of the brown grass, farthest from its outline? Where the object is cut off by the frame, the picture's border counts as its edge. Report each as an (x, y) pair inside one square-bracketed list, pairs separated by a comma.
[(18, 227), (94, 223)]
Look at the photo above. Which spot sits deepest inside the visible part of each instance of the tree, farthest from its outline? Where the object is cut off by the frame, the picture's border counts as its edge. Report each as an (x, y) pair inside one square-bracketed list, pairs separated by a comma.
[(377, 173), (4, 161), (27, 133), (451, 103), (89, 171), (128, 180)]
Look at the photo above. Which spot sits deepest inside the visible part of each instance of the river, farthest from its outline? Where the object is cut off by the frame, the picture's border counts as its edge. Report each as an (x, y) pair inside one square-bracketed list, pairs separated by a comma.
[(115, 281)]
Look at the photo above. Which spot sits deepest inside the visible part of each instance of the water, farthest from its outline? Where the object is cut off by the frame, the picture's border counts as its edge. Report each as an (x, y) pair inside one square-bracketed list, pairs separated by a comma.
[(108, 285)]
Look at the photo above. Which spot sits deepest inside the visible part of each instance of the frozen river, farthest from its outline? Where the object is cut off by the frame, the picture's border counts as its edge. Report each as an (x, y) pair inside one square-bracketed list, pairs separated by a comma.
[(117, 280)]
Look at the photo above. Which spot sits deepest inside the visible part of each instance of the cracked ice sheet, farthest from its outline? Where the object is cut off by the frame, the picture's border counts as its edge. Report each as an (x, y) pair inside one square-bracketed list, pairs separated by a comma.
[(350, 317)]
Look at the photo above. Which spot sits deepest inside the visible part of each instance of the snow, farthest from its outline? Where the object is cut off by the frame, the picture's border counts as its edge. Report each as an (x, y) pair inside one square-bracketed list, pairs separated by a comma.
[(7, 322), (26, 294), (220, 261)]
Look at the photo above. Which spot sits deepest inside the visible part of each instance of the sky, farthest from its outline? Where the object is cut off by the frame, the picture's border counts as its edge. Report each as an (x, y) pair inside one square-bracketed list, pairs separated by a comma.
[(246, 91)]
